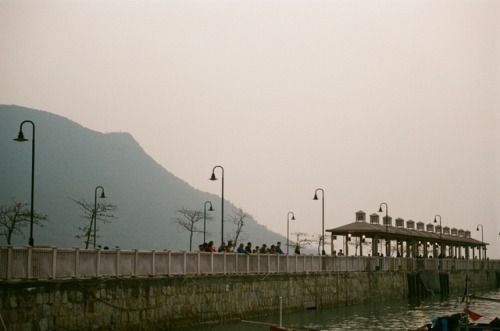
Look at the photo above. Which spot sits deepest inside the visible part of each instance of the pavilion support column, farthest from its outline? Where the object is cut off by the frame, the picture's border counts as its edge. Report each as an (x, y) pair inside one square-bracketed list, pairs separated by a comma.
[(346, 250), (387, 247), (360, 246), (374, 246)]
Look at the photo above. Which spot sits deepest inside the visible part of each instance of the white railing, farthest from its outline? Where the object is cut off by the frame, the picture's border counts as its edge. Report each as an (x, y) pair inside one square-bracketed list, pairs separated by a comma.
[(55, 263)]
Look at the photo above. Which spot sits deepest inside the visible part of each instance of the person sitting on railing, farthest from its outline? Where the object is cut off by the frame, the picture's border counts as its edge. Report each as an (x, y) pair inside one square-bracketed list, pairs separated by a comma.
[(248, 247), (256, 250), (278, 248), (203, 247), (241, 249), (211, 247), (263, 249), (272, 250), (297, 250), (230, 246), (222, 247), (340, 253)]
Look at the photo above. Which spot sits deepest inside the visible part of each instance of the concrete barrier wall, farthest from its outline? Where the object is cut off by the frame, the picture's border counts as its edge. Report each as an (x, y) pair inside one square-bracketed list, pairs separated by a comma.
[(160, 302)]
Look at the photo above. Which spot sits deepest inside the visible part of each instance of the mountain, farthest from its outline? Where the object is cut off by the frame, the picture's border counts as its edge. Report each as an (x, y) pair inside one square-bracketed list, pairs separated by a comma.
[(71, 161)]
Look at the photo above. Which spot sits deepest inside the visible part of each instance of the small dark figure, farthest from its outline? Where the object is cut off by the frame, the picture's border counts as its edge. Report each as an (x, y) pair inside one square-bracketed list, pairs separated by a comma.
[(277, 248)]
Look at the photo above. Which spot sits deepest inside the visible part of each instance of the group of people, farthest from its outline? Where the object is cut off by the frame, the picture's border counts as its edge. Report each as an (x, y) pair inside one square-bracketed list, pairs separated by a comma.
[(230, 247)]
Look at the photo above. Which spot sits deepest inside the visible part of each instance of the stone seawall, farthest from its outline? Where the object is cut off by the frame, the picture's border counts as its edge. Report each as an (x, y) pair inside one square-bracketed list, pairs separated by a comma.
[(158, 303)]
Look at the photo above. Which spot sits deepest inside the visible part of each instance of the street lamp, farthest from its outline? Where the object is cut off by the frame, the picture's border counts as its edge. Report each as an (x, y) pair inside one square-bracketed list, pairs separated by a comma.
[(322, 216), (20, 138), (95, 209), (482, 238), (287, 229), (387, 250), (440, 233), (205, 219), (222, 201)]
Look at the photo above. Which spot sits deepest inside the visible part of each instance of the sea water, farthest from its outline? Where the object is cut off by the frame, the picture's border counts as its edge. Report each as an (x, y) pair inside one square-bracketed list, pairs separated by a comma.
[(391, 315)]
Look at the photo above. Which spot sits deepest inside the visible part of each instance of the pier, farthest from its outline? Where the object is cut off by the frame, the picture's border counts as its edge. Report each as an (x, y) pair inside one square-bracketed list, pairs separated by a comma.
[(75, 289)]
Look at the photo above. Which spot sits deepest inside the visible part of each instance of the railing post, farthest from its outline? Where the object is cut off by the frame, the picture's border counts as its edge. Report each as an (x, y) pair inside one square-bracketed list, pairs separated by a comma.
[(29, 271), (77, 262), (248, 263), (211, 263), (117, 261), (136, 261), (153, 262), (98, 263), (184, 267), (224, 263), (236, 263), (169, 262), (54, 262), (198, 266), (8, 276)]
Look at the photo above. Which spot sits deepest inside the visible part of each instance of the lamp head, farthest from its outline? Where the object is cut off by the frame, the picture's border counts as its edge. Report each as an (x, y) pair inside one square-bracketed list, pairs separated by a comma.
[(20, 137), (293, 217), (315, 196), (477, 229), (103, 196), (435, 220), (213, 176), (380, 209), (210, 209)]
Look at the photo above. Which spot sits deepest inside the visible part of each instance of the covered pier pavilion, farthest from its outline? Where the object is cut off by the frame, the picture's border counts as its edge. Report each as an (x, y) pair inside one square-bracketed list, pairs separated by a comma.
[(413, 240)]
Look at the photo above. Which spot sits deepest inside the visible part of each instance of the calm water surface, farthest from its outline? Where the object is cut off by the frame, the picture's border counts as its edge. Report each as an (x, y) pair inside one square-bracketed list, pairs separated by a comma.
[(393, 315)]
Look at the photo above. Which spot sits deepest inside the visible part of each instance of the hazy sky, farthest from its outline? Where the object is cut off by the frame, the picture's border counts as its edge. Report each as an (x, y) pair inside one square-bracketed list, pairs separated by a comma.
[(372, 101)]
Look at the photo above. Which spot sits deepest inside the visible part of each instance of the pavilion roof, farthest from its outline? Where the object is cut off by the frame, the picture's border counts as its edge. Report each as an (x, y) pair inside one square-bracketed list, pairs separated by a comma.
[(370, 230)]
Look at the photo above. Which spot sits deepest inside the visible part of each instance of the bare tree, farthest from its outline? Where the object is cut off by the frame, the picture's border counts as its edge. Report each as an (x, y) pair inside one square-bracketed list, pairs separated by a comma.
[(238, 219), (317, 239), (357, 242), (188, 220), (15, 217), (303, 239), (101, 211)]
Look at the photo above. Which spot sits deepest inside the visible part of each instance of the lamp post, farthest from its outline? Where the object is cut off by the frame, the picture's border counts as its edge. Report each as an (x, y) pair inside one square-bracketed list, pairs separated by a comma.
[(440, 233), (387, 250), (322, 216), (287, 229), (482, 239), (20, 138), (222, 201), (95, 209), (205, 219)]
